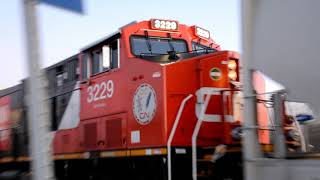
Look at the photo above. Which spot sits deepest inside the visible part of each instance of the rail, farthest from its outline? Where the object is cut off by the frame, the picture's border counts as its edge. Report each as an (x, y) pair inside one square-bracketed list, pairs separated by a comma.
[(201, 117), (173, 130)]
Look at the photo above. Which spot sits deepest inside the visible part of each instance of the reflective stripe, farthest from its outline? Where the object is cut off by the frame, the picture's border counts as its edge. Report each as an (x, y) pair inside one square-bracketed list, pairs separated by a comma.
[(148, 152), (6, 159), (114, 154), (103, 154), (70, 156), (23, 159), (228, 118)]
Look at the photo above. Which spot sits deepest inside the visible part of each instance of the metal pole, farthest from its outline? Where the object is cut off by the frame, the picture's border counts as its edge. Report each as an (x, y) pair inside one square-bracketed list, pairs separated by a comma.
[(38, 116), (250, 146), (279, 139)]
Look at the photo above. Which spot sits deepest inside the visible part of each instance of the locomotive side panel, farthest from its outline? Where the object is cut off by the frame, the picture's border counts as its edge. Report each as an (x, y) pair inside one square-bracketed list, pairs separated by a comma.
[(13, 139), (64, 103), (146, 112), (104, 133), (145, 102), (5, 124), (182, 79), (104, 96)]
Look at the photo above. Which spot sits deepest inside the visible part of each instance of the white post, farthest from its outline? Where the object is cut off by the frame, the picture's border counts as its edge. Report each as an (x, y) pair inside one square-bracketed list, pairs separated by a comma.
[(38, 116), (251, 148), (279, 139)]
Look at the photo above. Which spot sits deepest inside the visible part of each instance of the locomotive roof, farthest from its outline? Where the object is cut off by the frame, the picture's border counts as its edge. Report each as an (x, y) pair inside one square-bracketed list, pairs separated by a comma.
[(10, 90), (108, 38), (61, 62)]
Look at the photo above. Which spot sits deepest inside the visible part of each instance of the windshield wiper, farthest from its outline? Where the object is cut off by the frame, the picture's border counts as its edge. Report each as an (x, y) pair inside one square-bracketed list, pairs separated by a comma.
[(173, 53), (151, 54), (205, 50), (170, 43), (146, 35)]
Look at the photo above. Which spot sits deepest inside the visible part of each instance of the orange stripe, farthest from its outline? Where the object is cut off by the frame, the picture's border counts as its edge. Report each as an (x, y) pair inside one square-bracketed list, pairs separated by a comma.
[(23, 158), (137, 152), (267, 147), (114, 153), (148, 152), (6, 159), (234, 149), (71, 156), (104, 154)]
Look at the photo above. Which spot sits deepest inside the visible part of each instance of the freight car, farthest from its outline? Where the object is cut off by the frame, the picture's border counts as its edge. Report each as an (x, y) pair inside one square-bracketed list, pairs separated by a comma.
[(155, 100)]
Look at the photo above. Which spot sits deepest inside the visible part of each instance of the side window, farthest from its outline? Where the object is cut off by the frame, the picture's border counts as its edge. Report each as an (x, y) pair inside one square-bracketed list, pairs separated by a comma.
[(114, 47), (59, 76), (65, 73), (97, 60), (72, 70), (105, 58), (85, 67)]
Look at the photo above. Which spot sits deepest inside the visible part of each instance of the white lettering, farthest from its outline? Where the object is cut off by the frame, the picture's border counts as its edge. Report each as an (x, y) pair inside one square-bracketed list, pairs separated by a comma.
[(164, 24), (100, 91)]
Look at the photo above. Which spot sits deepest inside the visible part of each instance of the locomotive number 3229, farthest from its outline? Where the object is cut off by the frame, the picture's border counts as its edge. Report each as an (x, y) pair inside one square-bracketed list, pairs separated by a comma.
[(100, 91)]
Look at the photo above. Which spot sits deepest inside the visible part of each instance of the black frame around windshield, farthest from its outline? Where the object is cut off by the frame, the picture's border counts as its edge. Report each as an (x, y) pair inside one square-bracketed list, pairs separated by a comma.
[(155, 37), (198, 47)]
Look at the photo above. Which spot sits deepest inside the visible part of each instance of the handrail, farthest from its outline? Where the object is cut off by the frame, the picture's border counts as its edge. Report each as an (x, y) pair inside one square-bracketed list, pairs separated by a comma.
[(195, 135), (173, 130), (200, 93)]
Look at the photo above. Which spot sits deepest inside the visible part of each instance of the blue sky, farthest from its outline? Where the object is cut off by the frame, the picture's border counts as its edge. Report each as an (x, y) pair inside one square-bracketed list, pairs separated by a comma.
[(62, 33)]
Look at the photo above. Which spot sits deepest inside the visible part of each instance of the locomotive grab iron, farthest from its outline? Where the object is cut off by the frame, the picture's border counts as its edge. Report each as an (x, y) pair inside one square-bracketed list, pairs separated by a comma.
[(155, 100)]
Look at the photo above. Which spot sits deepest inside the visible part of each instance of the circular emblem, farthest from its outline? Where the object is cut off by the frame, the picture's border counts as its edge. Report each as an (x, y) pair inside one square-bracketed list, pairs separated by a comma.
[(215, 74), (144, 104)]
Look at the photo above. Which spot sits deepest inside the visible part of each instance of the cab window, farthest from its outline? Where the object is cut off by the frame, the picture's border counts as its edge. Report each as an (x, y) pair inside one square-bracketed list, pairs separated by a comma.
[(156, 45), (101, 59), (97, 61), (114, 52), (199, 47), (85, 66)]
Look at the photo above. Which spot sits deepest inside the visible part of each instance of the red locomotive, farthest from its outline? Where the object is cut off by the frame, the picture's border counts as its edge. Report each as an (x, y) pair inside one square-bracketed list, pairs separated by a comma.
[(142, 103)]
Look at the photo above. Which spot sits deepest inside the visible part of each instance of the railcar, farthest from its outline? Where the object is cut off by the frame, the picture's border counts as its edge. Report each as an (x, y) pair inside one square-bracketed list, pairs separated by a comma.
[(156, 99)]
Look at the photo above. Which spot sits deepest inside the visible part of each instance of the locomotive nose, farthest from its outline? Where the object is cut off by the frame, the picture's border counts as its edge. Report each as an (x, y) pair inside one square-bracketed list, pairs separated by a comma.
[(203, 76)]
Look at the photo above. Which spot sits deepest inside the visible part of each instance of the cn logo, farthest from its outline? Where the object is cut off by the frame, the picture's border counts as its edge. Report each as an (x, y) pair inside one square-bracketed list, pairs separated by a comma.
[(144, 115), (144, 104)]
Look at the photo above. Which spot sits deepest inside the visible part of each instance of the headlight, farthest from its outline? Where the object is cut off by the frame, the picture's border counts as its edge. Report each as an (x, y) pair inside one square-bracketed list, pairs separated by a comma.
[(232, 64), (232, 75)]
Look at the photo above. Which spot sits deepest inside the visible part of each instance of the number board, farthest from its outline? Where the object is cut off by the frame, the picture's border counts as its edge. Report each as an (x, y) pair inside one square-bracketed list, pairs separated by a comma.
[(167, 25), (201, 33)]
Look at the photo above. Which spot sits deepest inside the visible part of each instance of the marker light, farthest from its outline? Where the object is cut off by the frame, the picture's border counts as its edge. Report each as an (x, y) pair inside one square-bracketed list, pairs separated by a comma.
[(232, 75), (161, 24), (201, 33), (232, 64)]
